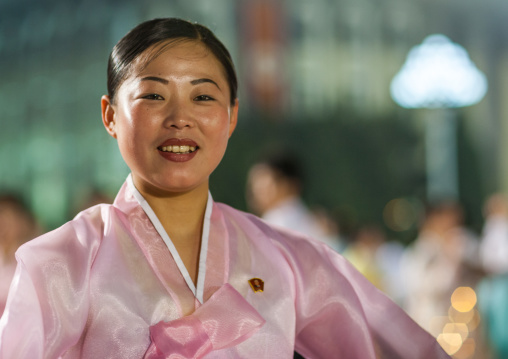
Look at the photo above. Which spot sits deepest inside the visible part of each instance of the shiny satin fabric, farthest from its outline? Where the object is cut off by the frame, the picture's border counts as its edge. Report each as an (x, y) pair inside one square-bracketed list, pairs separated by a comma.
[(213, 326), (7, 270), (106, 286)]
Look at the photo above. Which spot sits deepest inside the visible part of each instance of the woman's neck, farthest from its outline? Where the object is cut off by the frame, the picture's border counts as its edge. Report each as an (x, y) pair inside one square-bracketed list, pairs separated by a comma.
[(182, 216)]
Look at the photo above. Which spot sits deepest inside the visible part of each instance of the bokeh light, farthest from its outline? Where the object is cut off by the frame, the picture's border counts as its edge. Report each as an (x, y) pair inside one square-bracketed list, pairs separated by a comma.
[(467, 349), (460, 317), (450, 342), (401, 214), (457, 328), (475, 321), (456, 333), (463, 299), (438, 73)]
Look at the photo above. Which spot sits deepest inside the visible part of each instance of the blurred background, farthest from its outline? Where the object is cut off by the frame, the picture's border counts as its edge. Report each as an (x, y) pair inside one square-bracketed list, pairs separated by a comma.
[(316, 80)]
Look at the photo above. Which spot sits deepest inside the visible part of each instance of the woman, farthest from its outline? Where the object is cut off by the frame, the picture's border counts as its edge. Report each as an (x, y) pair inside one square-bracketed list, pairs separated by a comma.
[(167, 272)]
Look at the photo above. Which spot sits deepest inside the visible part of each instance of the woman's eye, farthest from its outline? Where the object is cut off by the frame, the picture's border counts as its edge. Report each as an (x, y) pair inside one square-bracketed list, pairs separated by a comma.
[(203, 98), (153, 96)]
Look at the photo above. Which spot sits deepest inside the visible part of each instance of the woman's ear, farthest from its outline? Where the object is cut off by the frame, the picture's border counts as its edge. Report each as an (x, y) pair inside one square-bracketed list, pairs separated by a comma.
[(233, 117), (108, 115)]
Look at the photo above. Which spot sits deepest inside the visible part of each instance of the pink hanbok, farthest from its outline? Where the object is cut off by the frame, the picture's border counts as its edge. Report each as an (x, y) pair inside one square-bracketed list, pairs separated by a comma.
[(110, 284)]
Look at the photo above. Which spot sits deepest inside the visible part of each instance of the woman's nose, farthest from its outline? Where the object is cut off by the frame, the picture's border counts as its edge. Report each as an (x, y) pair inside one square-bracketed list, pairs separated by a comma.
[(179, 115)]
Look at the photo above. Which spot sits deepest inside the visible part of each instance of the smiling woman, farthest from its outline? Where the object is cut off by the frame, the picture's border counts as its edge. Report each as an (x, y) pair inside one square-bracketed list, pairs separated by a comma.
[(166, 272), (180, 97)]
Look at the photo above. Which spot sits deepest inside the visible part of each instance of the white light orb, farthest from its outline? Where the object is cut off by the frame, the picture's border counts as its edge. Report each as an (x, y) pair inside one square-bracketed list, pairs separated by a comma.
[(438, 73)]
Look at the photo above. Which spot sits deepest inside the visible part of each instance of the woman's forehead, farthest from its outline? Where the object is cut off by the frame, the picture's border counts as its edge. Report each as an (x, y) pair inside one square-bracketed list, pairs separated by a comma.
[(186, 48)]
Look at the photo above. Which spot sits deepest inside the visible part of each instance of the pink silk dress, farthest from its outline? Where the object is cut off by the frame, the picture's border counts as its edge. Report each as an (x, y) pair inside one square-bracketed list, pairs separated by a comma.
[(110, 284)]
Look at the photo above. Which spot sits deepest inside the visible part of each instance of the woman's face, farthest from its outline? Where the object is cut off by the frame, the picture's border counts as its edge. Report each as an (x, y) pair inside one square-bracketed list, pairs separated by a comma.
[(172, 118)]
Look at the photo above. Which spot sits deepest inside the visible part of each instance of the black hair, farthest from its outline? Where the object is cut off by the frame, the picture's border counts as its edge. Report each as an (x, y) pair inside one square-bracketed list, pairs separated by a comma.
[(156, 31), (285, 164)]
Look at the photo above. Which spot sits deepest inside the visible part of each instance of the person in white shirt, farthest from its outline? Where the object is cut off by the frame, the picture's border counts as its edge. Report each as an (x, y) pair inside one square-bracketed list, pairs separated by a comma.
[(274, 189), (494, 244)]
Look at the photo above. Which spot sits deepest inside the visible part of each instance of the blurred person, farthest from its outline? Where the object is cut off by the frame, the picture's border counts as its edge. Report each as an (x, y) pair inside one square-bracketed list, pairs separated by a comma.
[(167, 272), (492, 304), (377, 259), (493, 290), (274, 188), (362, 253), (332, 232), (438, 262), (389, 257), (17, 225), (494, 241)]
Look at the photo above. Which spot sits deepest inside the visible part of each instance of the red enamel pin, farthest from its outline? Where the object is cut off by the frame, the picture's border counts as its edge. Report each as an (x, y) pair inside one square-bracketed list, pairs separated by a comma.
[(257, 284)]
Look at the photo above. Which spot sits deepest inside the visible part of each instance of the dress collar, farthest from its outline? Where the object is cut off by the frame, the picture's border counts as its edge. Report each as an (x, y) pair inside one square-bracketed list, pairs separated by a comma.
[(197, 289)]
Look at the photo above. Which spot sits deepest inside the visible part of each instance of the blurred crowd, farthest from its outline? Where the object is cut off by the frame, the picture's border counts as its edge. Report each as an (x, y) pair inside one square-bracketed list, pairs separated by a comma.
[(451, 280)]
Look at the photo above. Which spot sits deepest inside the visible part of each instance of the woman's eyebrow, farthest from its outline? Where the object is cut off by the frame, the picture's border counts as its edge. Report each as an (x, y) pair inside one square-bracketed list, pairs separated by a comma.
[(203, 80), (155, 78)]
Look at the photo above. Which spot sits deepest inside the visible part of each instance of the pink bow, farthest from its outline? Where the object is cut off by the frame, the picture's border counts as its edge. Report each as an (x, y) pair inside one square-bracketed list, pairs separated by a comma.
[(223, 321)]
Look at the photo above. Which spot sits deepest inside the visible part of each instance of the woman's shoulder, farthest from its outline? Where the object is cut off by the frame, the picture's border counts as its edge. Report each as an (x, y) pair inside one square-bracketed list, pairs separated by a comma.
[(80, 234), (251, 221), (286, 239)]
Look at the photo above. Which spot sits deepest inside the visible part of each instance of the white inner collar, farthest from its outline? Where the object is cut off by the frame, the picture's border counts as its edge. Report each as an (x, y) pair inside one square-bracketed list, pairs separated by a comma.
[(196, 289)]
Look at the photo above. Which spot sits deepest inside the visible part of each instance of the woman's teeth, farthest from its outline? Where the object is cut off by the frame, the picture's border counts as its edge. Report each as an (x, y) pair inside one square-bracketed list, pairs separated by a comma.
[(178, 149)]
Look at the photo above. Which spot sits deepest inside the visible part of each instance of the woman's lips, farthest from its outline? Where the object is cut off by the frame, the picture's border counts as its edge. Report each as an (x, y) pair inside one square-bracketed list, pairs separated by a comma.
[(178, 149)]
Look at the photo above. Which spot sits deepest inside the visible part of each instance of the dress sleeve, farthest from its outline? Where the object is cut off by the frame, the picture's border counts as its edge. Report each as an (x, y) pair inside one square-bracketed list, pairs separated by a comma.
[(48, 300), (340, 314)]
